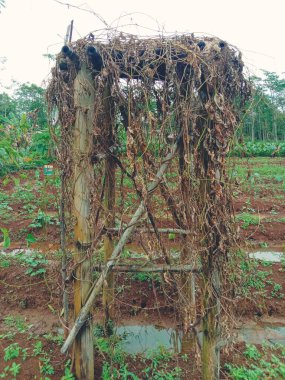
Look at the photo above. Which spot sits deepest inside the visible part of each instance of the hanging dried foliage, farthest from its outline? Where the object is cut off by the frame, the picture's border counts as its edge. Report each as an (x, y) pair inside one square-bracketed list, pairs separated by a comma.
[(155, 92)]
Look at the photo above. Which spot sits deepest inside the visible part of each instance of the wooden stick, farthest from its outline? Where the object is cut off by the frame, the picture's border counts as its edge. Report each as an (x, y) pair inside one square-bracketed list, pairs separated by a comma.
[(156, 268), (95, 290), (177, 231)]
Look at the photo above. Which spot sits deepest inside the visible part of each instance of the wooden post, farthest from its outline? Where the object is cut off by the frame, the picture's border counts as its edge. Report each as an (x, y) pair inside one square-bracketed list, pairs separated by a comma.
[(84, 96), (109, 204)]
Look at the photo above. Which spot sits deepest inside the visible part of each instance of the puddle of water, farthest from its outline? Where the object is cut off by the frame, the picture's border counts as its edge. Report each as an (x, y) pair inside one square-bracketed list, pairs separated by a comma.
[(258, 334), (274, 257), (139, 339)]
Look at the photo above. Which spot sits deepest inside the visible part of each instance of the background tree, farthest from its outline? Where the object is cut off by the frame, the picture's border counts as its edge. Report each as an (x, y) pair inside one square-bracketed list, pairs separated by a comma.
[(265, 117)]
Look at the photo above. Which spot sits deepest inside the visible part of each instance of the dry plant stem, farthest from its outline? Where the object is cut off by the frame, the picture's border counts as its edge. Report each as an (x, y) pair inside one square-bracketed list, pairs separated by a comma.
[(159, 230), (187, 281), (109, 203), (64, 257), (83, 179), (211, 266), (83, 315)]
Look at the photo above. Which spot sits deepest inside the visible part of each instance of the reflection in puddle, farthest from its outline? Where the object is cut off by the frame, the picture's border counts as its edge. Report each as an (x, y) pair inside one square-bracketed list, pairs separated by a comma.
[(274, 257), (139, 339), (258, 334)]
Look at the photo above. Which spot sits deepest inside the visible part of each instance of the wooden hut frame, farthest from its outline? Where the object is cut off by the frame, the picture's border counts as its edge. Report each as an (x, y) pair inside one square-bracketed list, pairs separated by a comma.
[(175, 101)]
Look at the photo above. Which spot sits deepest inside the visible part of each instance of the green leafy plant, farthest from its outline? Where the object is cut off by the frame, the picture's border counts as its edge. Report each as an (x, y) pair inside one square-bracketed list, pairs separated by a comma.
[(15, 369), (38, 348), (58, 338), (30, 238), (35, 262), (12, 351), (265, 363), (16, 323), (6, 237), (248, 219), (45, 366), (42, 220), (68, 375), (276, 291)]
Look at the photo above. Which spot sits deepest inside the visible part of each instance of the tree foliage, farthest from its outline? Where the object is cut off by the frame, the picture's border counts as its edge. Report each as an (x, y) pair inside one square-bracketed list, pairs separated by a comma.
[(24, 131), (265, 116)]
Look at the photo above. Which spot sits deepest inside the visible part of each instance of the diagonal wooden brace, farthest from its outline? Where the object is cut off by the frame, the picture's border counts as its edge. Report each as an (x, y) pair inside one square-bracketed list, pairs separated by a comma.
[(95, 290)]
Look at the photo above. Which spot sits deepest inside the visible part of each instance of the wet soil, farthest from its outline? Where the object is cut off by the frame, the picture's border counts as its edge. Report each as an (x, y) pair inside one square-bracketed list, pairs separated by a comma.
[(37, 300)]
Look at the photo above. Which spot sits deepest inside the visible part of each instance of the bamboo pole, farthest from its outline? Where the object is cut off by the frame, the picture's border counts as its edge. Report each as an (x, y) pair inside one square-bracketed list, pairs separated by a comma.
[(157, 268), (83, 315), (84, 95)]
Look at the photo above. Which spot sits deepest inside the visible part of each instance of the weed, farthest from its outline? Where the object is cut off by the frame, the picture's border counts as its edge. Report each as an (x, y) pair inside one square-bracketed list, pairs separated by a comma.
[(15, 369), (16, 323), (12, 351), (35, 262), (6, 237), (58, 339), (42, 220), (276, 291), (6, 181), (68, 375), (4, 263), (158, 366), (263, 244), (266, 363), (5, 210), (252, 352), (248, 219), (8, 336), (45, 366), (38, 348), (30, 238)]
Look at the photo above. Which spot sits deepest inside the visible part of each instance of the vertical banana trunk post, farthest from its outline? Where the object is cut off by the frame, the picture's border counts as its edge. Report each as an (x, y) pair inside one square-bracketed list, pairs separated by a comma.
[(84, 95), (109, 203)]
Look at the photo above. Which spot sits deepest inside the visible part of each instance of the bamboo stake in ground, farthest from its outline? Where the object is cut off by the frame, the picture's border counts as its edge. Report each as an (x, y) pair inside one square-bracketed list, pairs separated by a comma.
[(84, 96), (83, 315)]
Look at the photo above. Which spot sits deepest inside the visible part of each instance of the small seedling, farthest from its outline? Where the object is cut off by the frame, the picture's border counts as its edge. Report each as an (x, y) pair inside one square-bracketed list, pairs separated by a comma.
[(12, 351)]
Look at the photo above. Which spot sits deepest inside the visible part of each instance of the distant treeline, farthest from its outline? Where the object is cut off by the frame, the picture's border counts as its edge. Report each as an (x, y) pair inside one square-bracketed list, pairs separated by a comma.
[(264, 119)]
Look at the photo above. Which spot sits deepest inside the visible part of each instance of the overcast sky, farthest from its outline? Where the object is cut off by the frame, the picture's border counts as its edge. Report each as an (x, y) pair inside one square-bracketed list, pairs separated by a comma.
[(31, 28)]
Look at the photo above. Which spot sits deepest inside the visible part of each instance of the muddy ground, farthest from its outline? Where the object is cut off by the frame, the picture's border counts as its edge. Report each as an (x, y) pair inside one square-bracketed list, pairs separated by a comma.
[(35, 300)]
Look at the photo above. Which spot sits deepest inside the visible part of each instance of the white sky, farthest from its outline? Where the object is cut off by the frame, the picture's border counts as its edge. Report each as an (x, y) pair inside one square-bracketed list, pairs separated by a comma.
[(31, 28)]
